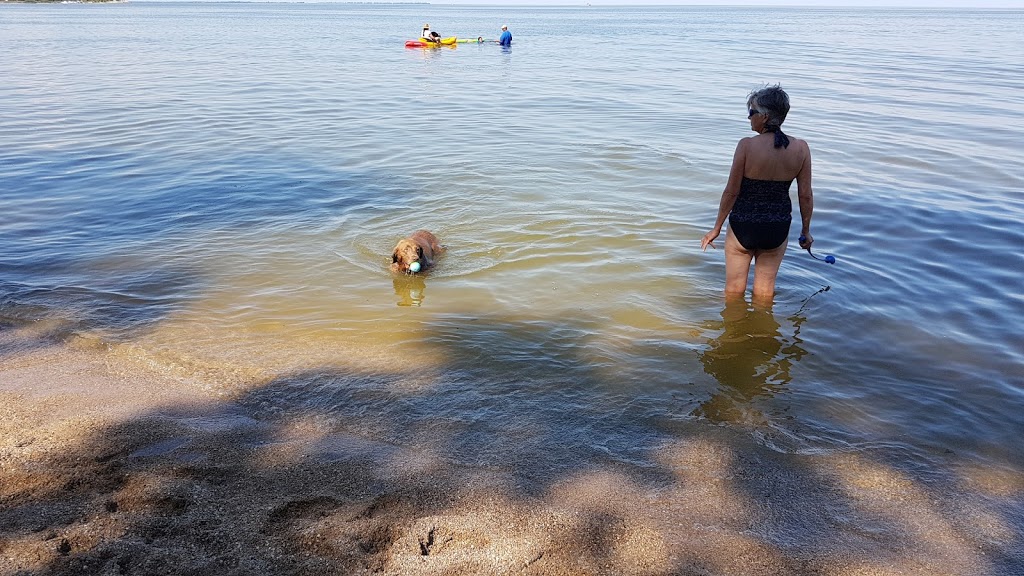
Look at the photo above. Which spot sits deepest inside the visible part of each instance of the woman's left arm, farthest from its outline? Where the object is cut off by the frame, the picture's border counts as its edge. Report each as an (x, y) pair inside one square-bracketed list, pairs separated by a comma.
[(806, 198)]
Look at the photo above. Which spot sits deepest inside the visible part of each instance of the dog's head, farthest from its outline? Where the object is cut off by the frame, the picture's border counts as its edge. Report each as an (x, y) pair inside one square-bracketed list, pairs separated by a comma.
[(406, 252)]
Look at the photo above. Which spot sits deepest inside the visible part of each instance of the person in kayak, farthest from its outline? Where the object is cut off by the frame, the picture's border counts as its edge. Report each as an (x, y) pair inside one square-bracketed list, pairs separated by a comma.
[(506, 37), (429, 35)]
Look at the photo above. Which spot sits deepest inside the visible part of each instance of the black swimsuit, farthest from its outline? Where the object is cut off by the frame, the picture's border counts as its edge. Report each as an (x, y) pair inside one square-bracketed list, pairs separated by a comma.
[(763, 211)]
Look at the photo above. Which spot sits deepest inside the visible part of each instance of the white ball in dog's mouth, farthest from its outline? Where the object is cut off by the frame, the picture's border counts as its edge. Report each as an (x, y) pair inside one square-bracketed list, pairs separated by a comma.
[(414, 267)]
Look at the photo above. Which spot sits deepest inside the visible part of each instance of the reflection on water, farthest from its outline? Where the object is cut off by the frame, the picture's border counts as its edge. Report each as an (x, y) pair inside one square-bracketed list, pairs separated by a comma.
[(750, 358), (411, 289)]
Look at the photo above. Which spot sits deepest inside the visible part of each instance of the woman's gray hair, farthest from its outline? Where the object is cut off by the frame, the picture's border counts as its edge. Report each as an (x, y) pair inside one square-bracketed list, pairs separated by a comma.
[(773, 101)]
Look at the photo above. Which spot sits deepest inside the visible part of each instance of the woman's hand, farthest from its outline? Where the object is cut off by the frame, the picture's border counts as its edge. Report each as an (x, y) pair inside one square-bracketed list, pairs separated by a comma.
[(708, 240), (806, 240)]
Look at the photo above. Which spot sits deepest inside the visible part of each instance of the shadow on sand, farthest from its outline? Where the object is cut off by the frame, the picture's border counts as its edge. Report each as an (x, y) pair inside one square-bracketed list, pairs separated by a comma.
[(341, 472)]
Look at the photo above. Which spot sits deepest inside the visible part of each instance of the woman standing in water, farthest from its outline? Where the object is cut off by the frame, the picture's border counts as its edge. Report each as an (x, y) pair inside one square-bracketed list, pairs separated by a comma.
[(756, 198)]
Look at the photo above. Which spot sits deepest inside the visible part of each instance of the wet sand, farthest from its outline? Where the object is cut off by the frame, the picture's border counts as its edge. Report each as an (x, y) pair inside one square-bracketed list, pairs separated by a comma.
[(114, 469)]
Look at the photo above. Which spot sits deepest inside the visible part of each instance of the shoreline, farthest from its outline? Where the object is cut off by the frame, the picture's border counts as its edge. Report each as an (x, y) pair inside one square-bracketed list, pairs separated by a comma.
[(65, 1), (109, 471)]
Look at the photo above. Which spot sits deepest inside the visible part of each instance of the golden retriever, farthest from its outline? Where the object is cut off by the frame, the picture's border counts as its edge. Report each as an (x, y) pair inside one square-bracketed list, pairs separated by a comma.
[(415, 253)]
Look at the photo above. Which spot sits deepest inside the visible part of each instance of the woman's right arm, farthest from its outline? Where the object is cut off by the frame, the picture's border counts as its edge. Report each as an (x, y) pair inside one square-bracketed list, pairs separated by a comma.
[(729, 195)]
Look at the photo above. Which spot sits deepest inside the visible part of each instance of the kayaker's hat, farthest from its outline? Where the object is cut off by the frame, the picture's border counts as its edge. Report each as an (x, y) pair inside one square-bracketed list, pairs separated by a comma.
[(426, 25), (504, 27)]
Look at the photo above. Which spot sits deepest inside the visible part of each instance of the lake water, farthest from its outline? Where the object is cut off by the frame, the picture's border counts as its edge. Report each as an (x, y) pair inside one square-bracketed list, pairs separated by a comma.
[(213, 191)]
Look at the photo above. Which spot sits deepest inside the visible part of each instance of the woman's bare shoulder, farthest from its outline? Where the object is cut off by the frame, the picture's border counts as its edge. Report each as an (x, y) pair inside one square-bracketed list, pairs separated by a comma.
[(799, 142), (746, 142)]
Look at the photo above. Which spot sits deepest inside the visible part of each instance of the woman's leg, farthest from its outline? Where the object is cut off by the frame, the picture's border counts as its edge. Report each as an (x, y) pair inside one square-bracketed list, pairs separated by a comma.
[(737, 265), (766, 268)]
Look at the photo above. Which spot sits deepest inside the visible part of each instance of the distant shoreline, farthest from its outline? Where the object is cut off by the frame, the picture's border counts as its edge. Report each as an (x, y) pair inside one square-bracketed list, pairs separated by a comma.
[(63, 1), (237, 1)]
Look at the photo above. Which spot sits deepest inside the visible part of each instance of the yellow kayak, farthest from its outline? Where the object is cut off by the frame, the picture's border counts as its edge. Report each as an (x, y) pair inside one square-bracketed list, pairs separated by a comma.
[(444, 41)]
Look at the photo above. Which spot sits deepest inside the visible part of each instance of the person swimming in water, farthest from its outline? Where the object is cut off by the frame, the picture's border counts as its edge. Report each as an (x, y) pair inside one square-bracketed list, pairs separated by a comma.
[(756, 197)]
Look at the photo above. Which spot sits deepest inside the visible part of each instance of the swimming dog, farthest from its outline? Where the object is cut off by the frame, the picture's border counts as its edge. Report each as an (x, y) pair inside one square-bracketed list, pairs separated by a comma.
[(415, 253)]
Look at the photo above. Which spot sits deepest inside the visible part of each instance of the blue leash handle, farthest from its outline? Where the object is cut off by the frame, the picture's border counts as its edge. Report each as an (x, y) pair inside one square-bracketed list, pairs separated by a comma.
[(830, 259)]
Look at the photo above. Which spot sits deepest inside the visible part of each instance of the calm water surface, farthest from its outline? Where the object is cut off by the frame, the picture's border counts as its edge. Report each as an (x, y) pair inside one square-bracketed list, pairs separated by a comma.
[(213, 190)]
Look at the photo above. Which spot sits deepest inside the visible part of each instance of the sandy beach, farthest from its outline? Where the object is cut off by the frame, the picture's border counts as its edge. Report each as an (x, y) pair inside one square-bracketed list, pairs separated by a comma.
[(108, 469)]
